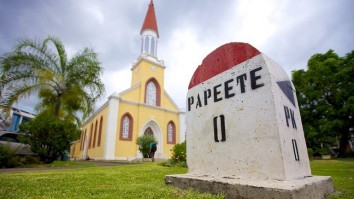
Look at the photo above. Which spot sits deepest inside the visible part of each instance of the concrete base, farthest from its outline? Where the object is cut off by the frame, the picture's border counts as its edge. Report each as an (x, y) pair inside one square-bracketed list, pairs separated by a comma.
[(233, 187)]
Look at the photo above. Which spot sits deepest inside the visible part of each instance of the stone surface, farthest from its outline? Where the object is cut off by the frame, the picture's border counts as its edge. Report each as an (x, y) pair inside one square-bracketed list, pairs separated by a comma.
[(247, 188), (244, 132), (243, 118)]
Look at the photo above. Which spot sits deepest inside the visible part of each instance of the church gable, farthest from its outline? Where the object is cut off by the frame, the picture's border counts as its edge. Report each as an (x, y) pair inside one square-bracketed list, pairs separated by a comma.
[(131, 94)]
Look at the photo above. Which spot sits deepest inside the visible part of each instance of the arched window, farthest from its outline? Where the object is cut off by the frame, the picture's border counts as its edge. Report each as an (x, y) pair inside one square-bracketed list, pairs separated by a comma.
[(91, 133), (152, 46), (171, 133), (94, 136), (100, 132), (82, 139), (152, 93), (148, 131), (126, 127), (146, 45)]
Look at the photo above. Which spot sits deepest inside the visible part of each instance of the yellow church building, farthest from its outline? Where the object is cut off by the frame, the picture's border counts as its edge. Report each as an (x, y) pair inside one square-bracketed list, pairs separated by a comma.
[(144, 108)]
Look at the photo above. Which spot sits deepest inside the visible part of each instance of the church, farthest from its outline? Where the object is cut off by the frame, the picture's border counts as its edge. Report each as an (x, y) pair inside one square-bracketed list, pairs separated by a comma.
[(144, 108)]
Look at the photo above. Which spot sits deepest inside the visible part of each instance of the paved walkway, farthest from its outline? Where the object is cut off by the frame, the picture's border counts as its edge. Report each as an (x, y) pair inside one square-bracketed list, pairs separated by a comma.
[(99, 163)]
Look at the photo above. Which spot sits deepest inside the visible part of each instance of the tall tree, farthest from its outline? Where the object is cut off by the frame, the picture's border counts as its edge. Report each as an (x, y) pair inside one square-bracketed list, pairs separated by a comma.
[(326, 96), (65, 86)]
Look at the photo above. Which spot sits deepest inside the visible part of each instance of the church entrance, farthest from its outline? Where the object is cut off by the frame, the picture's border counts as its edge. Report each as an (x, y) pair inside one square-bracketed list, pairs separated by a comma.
[(148, 131), (152, 128)]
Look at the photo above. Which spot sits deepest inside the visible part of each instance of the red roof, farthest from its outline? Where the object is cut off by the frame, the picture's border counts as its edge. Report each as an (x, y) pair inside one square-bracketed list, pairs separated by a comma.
[(150, 20), (221, 59)]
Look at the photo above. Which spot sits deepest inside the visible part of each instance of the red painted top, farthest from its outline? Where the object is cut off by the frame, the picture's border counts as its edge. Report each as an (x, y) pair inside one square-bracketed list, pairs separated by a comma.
[(222, 59), (150, 20)]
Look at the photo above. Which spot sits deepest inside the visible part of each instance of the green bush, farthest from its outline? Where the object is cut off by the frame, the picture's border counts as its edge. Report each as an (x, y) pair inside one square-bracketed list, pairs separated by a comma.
[(5, 155), (179, 156), (144, 144), (48, 136), (179, 153)]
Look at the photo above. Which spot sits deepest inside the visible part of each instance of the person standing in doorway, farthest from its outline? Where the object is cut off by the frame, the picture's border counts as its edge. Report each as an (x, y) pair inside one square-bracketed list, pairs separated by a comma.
[(153, 149)]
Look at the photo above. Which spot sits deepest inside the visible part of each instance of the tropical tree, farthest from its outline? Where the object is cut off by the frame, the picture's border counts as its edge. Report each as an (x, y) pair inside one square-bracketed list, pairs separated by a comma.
[(49, 136), (325, 93), (65, 86)]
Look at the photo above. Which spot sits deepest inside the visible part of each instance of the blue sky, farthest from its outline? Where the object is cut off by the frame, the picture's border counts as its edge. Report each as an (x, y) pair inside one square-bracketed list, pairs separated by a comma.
[(289, 32)]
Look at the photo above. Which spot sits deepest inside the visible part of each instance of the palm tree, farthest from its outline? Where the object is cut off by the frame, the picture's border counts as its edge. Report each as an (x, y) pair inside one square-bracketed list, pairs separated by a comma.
[(65, 87)]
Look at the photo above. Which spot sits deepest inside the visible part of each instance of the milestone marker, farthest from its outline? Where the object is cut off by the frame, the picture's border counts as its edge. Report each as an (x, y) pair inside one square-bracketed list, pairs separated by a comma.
[(244, 129)]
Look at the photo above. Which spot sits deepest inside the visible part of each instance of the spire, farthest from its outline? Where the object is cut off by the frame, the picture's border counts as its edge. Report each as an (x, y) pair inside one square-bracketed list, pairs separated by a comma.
[(150, 20)]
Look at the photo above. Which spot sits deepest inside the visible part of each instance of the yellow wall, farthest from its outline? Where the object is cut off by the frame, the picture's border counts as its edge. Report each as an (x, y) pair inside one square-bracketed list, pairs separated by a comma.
[(141, 115), (75, 150), (97, 151), (132, 101)]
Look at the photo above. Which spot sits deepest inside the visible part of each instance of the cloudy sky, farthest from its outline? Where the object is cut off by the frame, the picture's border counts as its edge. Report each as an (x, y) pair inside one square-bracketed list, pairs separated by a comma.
[(289, 32)]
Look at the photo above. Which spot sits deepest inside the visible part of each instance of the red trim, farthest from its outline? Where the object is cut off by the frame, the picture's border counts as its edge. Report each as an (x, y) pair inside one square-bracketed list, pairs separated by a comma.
[(131, 122), (158, 91), (221, 59), (173, 133)]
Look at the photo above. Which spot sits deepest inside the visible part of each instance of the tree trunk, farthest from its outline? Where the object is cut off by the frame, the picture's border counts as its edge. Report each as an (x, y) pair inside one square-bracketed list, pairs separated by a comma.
[(343, 145), (57, 105)]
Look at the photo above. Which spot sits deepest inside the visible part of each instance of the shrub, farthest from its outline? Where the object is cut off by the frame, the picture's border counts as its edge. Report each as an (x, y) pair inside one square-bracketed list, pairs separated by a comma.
[(48, 136), (179, 153), (144, 144), (179, 156), (5, 155)]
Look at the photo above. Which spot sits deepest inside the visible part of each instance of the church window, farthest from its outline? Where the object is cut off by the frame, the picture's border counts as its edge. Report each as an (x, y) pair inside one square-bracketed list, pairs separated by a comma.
[(152, 93), (146, 45), (82, 139), (152, 46), (148, 131), (126, 127), (100, 132), (171, 133), (94, 136), (91, 133)]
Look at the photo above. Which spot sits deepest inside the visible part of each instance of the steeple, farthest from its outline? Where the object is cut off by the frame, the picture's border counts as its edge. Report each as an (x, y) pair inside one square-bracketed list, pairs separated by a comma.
[(149, 33), (150, 20)]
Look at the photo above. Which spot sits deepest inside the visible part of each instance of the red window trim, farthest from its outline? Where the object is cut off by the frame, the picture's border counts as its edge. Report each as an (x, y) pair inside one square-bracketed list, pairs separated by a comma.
[(158, 91), (131, 122)]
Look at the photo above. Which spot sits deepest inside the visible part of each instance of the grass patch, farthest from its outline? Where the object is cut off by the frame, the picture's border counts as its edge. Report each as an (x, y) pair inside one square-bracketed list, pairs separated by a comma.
[(342, 172), (145, 180), (60, 164)]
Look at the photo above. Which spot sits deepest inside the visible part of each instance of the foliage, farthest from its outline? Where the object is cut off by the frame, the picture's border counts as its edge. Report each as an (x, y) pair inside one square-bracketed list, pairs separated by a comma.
[(9, 159), (179, 152), (49, 136), (323, 151), (179, 156), (20, 161), (5, 155), (326, 97), (65, 86), (143, 143)]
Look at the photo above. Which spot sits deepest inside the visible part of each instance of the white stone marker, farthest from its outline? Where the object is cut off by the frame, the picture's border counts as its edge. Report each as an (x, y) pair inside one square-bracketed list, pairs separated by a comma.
[(243, 123)]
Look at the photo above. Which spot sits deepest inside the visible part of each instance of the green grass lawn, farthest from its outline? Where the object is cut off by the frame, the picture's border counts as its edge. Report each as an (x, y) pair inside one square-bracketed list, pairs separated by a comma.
[(144, 180), (342, 172)]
